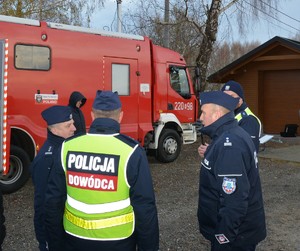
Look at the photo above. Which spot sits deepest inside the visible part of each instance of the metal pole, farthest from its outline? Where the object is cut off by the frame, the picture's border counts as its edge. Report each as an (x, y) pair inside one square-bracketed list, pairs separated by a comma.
[(119, 11), (166, 28)]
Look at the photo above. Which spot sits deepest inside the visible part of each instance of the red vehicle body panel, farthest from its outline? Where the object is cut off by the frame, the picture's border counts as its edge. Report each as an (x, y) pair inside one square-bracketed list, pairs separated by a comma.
[(82, 61)]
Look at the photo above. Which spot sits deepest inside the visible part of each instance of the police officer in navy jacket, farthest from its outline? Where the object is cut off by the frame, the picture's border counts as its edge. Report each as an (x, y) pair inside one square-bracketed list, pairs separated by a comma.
[(98, 193), (246, 118), (230, 208), (59, 127)]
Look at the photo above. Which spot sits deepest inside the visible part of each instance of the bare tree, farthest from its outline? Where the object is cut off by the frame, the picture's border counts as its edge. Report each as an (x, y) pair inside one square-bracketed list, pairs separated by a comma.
[(75, 12), (194, 24), (226, 53), (209, 37)]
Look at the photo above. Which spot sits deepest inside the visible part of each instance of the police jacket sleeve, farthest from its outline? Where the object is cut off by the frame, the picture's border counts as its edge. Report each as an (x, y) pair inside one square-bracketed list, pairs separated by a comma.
[(143, 201), (234, 188), (54, 207), (2, 220), (252, 127), (40, 172)]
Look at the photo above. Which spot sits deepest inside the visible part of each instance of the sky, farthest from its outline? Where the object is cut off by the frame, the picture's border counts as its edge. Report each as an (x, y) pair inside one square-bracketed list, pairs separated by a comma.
[(287, 25)]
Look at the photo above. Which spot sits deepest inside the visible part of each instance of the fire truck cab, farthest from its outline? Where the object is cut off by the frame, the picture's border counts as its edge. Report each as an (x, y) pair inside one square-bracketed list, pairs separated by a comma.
[(42, 63)]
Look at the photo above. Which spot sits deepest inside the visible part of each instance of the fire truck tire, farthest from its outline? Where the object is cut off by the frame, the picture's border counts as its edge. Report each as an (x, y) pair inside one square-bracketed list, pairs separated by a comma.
[(18, 172), (169, 146)]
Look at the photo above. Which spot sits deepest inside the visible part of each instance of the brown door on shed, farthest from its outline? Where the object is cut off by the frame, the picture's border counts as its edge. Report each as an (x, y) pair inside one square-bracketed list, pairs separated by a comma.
[(281, 99)]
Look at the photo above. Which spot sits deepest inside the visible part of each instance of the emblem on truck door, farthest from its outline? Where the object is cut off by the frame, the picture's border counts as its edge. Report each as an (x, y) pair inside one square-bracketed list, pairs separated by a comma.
[(46, 98)]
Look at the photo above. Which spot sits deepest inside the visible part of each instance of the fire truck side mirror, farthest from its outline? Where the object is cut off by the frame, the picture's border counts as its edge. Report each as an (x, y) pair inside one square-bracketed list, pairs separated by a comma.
[(197, 71), (197, 79)]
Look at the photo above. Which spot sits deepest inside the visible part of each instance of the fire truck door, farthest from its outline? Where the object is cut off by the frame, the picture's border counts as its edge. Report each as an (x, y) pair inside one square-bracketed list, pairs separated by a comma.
[(121, 75), (180, 100)]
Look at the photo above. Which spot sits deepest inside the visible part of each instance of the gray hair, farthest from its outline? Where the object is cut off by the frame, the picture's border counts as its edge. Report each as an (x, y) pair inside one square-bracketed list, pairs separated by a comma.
[(113, 114)]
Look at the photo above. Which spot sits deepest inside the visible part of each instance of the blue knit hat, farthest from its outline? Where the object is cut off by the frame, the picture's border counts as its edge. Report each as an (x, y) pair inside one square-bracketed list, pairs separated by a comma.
[(219, 98), (234, 87), (57, 114), (107, 101)]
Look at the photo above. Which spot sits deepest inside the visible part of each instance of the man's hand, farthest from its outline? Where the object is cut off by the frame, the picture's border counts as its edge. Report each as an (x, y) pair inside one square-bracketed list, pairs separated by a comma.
[(202, 149)]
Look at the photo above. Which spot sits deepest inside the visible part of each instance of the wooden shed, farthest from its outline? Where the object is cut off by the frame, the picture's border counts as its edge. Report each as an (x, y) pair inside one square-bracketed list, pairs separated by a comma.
[(270, 76)]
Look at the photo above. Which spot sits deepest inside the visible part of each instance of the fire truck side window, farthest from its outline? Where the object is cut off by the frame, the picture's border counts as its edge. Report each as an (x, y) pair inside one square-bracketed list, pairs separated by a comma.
[(120, 78), (179, 80), (32, 57)]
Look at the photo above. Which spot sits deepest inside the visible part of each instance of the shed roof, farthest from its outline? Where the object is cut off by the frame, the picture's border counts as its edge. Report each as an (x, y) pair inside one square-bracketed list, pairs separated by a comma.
[(255, 53)]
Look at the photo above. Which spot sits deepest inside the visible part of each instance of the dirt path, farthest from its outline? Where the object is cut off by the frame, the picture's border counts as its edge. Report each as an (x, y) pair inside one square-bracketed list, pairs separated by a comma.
[(177, 195), (176, 187)]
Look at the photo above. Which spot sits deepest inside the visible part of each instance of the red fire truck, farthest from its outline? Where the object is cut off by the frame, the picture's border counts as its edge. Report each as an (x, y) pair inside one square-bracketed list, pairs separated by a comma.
[(41, 63)]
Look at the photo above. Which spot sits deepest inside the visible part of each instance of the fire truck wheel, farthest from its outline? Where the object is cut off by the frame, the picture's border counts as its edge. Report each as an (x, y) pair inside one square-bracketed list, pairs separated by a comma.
[(18, 172), (169, 146)]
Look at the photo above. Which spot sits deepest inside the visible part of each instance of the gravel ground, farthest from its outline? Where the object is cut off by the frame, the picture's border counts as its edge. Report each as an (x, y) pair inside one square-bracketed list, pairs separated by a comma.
[(176, 187)]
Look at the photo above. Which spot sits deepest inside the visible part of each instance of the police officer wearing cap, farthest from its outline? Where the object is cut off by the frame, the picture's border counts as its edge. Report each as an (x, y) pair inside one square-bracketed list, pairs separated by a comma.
[(105, 175), (60, 126), (245, 117), (230, 207)]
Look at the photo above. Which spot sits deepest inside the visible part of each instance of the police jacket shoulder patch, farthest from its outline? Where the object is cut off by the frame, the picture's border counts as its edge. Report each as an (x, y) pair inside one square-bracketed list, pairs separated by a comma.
[(229, 185)]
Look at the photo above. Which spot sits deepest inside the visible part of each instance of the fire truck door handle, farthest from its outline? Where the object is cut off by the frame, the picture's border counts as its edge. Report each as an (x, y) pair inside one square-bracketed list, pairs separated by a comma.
[(170, 106)]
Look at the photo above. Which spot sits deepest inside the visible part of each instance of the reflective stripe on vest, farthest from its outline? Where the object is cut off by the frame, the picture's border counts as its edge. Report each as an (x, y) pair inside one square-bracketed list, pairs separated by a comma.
[(98, 224), (98, 208), (239, 116), (98, 205)]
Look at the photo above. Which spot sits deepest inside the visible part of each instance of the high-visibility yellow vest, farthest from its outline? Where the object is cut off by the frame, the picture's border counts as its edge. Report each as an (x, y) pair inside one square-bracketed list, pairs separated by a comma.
[(98, 205), (248, 112)]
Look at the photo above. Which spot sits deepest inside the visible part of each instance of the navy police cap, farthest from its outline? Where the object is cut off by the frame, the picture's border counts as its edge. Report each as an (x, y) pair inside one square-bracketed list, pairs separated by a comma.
[(234, 87), (219, 98), (57, 114), (107, 101)]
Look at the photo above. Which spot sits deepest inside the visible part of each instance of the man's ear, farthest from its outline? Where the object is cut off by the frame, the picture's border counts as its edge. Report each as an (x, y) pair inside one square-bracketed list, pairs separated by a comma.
[(240, 102), (219, 112), (121, 116)]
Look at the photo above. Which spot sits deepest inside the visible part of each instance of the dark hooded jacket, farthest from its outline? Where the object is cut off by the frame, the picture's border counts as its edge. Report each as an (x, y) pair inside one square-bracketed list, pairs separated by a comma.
[(78, 117)]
